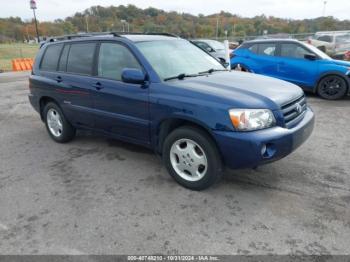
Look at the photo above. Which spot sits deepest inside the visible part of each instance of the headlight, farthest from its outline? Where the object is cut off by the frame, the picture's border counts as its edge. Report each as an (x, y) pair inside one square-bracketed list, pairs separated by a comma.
[(251, 119)]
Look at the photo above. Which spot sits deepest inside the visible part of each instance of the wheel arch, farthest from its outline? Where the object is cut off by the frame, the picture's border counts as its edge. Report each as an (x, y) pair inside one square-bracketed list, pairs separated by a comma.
[(166, 126), (242, 65), (43, 101), (330, 73)]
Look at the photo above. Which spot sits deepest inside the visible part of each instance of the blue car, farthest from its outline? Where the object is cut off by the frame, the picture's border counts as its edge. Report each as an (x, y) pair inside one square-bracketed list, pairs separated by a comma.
[(295, 62), (166, 94)]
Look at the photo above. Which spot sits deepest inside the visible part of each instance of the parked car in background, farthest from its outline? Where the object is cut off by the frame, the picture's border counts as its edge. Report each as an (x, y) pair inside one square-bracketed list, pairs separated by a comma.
[(165, 93), (334, 43), (215, 48), (296, 62)]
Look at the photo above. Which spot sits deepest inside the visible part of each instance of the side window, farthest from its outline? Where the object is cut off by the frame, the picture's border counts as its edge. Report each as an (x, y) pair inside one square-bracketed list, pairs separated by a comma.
[(62, 66), (293, 51), (81, 58), (204, 46), (113, 58), (254, 49), (267, 49), (50, 59), (325, 38)]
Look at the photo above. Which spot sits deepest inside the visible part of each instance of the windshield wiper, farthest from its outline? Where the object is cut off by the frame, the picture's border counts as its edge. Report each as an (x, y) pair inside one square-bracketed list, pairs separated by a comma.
[(212, 70), (180, 76)]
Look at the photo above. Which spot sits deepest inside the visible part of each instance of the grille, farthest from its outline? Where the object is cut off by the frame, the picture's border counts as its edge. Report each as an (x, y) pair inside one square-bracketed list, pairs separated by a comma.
[(294, 111)]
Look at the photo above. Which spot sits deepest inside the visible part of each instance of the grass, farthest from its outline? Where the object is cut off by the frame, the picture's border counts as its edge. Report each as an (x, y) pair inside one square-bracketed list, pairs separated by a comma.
[(12, 51)]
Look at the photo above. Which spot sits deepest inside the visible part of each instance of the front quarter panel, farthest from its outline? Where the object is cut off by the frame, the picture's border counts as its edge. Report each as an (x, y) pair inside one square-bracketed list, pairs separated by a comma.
[(167, 102)]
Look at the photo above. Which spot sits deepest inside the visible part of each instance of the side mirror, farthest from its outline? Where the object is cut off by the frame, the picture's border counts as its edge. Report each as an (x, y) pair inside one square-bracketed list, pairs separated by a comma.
[(310, 56), (133, 76)]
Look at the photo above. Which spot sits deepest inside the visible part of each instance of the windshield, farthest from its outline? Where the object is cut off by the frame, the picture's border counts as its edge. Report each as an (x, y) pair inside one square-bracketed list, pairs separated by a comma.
[(215, 44), (318, 52), (171, 58)]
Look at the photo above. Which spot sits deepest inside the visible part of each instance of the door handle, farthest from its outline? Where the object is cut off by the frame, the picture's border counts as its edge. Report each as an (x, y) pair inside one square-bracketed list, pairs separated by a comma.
[(58, 79), (98, 86)]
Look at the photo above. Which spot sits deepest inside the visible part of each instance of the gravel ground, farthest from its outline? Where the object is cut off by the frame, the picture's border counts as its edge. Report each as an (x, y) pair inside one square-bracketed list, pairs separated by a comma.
[(101, 196)]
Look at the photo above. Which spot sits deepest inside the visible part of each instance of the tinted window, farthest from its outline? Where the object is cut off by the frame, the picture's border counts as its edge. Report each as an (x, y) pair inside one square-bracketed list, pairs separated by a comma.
[(50, 60), (203, 46), (113, 58), (293, 51), (62, 66), (263, 49), (80, 58), (254, 49), (267, 49)]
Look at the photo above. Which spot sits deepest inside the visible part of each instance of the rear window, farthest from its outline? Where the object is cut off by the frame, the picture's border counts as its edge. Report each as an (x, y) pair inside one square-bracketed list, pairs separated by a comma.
[(50, 59), (263, 49), (63, 60), (80, 58)]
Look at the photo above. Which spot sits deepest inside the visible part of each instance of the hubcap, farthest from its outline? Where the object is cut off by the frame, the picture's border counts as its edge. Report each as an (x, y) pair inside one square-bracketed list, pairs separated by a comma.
[(188, 160), (331, 86), (54, 122)]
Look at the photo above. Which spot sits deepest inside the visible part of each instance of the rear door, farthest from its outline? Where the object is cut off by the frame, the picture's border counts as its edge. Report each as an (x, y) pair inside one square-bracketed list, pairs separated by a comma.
[(293, 67), (263, 56), (121, 109), (74, 82)]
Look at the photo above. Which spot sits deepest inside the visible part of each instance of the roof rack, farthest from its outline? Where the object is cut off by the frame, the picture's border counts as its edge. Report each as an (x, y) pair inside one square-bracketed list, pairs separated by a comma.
[(115, 34), (145, 33), (72, 36)]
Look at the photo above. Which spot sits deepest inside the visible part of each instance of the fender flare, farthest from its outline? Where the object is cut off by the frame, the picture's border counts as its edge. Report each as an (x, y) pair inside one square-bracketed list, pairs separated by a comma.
[(337, 73)]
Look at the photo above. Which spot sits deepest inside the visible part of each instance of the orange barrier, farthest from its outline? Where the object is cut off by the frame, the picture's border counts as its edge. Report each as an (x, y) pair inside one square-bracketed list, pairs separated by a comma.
[(22, 64)]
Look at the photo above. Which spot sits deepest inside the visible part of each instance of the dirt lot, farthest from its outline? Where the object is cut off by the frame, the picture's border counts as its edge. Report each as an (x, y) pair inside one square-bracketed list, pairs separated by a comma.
[(99, 196)]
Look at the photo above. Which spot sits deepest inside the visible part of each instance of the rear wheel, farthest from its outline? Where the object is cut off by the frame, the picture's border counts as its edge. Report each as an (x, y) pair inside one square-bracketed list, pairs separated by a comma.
[(192, 158), (332, 87), (241, 68), (57, 126)]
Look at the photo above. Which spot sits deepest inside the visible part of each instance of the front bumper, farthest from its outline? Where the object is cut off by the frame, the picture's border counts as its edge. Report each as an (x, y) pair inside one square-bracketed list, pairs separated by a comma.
[(246, 149)]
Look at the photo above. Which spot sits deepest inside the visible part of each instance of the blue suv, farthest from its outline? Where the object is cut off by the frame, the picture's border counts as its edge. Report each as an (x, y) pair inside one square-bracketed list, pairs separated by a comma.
[(164, 93), (296, 62)]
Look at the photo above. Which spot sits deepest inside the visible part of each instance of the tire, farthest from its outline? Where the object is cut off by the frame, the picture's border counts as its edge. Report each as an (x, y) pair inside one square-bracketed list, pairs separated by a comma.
[(332, 87), (241, 68), (59, 129), (200, 165)]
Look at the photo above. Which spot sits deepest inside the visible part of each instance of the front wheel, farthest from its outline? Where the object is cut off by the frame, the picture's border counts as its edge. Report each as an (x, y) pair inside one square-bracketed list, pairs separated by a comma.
[(192, 158), (332, 87)]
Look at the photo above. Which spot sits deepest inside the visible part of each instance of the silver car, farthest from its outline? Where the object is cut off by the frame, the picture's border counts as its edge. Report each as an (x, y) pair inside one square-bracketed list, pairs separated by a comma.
[(215, 48)]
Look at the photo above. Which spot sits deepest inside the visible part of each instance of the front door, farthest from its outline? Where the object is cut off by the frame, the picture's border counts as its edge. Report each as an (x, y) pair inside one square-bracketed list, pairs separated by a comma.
[(120, 108), (294, 67)]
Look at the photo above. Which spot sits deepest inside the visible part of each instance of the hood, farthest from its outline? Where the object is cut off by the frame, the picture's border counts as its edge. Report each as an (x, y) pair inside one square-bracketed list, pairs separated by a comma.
[(244, 89), (342, 63)]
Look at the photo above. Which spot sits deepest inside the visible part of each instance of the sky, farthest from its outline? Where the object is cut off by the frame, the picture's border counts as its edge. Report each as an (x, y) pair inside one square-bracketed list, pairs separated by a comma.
[(50, 10)]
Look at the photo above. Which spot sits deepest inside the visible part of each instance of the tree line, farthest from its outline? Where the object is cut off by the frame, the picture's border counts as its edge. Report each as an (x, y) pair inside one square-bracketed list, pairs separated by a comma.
[(118, 18)]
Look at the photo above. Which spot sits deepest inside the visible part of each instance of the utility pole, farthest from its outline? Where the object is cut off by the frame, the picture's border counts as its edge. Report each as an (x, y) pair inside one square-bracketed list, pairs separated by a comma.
[(32, 4), (217, 27), (324, 8), (124, 22), (87, 23)]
